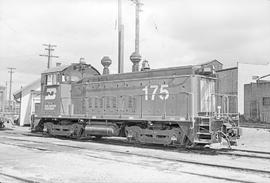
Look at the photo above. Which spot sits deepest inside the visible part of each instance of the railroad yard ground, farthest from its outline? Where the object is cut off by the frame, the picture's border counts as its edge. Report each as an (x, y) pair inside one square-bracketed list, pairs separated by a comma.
[(27, 157)]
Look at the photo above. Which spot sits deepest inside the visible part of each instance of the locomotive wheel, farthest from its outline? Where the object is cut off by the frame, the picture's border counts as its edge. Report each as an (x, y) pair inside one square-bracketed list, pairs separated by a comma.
[(78, 131), (48, 131), (79, 134), (129, 139)]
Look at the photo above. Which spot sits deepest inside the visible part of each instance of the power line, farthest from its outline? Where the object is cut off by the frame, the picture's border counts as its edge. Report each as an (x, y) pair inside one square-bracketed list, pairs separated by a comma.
[(49, 55)]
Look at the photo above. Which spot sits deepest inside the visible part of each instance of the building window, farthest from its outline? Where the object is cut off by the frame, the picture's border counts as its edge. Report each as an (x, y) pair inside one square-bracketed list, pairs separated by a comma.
[(266, 101)]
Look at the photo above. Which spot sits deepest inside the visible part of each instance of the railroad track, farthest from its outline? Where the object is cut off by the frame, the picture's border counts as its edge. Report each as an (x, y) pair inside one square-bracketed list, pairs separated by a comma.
[(203, 151), (256, 125), (37, 145), (246, 153), (12, 178)]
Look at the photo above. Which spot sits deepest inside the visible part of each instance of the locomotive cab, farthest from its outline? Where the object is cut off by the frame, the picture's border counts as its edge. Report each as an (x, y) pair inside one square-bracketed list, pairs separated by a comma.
[(56, 90)]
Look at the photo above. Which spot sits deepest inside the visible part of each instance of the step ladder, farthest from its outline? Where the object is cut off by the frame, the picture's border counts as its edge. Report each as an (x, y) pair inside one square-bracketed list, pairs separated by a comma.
[(203, 135)]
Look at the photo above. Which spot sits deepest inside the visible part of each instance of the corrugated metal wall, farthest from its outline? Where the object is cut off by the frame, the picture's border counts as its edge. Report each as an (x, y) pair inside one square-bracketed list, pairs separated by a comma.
[(227, 85), (257, 101)]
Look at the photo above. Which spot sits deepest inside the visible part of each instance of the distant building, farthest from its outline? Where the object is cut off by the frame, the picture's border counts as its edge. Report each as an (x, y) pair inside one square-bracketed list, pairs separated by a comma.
[(231, 82), (228, 85), (217, 64), (3, 98), (257, 101), (29, 99)]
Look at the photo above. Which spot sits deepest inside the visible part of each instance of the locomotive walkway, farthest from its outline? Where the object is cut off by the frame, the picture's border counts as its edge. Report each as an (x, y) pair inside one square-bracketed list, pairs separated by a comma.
[(170, 164)]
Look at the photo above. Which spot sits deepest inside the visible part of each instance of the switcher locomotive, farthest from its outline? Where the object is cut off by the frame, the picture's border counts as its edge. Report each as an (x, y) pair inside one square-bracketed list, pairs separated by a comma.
[(171, 106)]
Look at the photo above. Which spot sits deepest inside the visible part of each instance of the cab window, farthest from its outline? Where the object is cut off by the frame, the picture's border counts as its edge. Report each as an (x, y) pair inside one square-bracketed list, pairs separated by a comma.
[(68, 78), (52, 79), (74, 78)]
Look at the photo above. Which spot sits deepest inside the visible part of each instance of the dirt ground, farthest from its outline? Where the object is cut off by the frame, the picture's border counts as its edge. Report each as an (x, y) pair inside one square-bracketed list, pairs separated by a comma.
[(255, 139), (52, 160)]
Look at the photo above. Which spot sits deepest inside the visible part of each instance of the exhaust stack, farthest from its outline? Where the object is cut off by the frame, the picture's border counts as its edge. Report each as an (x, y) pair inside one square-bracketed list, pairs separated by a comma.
[(120, 39), (106, 62), (136, 57)]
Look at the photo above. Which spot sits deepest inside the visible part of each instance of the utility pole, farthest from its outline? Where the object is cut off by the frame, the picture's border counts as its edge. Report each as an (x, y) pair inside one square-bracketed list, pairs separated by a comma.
[(49, 55), (6, 99), (10, 83), (120, 39), (135, 56)]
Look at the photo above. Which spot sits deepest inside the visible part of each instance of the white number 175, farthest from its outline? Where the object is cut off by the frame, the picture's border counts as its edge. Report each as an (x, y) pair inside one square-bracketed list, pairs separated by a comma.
[(163, 92)]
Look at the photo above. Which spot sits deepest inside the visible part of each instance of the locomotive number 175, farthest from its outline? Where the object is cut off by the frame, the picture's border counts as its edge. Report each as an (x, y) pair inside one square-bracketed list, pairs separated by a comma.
[(163, 92)]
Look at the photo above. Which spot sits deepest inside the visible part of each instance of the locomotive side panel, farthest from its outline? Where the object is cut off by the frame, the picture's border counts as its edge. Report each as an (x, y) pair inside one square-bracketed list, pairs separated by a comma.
[(65, 100), (160, 99), (77, 96)]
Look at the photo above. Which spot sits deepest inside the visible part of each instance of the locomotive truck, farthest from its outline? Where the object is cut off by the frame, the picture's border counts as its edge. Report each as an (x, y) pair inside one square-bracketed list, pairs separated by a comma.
[(171, 106)]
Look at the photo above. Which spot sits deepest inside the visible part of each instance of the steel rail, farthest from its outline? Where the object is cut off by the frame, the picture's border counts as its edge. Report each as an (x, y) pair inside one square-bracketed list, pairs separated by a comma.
[(139, 155), (17, 178), (142, 155)]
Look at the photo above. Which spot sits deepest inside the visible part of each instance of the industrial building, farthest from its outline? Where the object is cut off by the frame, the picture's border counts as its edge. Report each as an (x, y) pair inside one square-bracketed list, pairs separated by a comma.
[(3, 98), (231, 82), (8, 108), (257, 101), (28, 97)]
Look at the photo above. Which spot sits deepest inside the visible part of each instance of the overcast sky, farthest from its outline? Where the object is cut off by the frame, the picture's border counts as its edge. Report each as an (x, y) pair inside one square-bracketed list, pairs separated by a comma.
[(173, 33)]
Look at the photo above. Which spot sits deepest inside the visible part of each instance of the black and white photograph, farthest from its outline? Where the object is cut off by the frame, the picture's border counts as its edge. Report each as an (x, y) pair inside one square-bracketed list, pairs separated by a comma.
[(134, 91)]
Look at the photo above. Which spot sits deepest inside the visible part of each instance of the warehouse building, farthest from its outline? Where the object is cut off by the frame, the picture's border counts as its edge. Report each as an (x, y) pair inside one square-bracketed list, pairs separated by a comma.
[(3, 98), (231, 82), (257, 101), (29, 99)]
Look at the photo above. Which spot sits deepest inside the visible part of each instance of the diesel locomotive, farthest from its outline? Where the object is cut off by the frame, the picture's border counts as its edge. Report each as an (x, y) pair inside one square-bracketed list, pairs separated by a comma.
[(171, 106)]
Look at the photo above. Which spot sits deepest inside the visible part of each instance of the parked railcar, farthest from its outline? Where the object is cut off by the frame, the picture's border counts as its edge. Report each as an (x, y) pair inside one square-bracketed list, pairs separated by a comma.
[(161, 106)]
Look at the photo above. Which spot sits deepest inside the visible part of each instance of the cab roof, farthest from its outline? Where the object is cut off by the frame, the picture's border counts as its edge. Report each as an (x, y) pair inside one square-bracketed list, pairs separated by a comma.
[(64, 67)]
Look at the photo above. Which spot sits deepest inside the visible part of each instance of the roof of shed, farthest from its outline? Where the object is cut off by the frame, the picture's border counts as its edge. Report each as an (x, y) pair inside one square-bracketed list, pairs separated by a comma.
[(208, 62), (18, 93)]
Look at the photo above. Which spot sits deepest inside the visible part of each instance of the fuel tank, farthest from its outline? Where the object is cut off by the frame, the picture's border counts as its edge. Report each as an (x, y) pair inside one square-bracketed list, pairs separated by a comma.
[(103, 130)]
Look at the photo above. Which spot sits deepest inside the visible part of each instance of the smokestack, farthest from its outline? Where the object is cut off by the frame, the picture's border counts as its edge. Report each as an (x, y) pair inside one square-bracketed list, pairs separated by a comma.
[(106, 62), (136, 57), (120, 39)]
